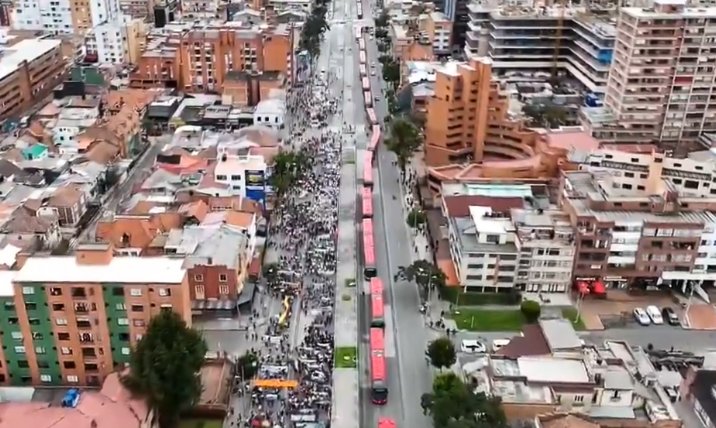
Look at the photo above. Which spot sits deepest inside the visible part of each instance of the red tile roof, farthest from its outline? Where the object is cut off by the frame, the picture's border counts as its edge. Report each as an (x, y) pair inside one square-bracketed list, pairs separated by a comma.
[(532, 342), (459, 206)]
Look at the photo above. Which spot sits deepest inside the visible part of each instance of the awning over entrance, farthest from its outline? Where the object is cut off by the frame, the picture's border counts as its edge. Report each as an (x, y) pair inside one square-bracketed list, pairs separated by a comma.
[(213, 305)]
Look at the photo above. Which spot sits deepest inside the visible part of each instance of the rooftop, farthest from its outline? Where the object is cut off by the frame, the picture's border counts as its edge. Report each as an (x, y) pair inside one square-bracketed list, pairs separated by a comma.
[(121, 270), (24, 51)]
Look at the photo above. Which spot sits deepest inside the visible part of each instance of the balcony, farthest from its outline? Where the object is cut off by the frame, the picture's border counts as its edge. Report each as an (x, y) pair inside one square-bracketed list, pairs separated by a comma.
[(84, 323), (86, 338)]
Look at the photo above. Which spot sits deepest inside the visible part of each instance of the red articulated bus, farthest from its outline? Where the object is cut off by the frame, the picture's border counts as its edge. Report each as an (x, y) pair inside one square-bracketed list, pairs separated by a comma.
[(368, 170), (371, 116), (378, 369), (367, 99), (375, 138), (362, 70), (377, 307), (369, 269), (361, 44), (361, 56), (367, 202), (366, 84), (386, 423)]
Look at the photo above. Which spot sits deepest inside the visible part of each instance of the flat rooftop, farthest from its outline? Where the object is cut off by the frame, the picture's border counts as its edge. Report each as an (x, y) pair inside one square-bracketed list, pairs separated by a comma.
[(24, 51), (120, 270)]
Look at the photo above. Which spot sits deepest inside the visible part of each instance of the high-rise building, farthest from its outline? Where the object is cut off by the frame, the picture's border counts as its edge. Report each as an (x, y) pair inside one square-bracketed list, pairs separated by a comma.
[(660, 86), (63, 16), (73, 319)]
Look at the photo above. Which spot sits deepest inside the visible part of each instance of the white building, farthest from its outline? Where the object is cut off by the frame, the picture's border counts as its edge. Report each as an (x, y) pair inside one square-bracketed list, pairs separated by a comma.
[(528, 249), (63, 16), (270, 113), (291, 5), (243, 174), (72, 121), (109, 41), (443, 35)]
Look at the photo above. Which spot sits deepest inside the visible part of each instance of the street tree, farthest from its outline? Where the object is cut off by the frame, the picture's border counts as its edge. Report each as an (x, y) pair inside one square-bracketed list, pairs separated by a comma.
[(442, 353), (383, 19), (416, 217), (531, 310), (383, 59), (247, 365), (425, 274), (288, 169), (454, 404), (404, 139), (165, 365), (270, 272), (391, 73), (381, 33), (546, 115)]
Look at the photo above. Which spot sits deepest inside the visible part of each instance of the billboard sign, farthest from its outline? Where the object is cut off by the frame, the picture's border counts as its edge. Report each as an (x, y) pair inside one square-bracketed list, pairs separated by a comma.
[(255, 184)]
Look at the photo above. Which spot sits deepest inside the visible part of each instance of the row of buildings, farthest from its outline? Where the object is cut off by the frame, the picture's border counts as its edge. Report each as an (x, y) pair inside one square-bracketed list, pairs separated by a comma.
[(645, 64)]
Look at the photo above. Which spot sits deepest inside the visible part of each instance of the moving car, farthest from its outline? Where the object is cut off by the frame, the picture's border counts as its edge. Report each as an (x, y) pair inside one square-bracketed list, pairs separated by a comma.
[(641, 317), (655, 314), (670, 316), (472, 347)]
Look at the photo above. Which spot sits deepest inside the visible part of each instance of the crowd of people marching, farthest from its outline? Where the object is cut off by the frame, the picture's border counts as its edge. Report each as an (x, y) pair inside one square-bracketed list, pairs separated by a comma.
[(303, 232)]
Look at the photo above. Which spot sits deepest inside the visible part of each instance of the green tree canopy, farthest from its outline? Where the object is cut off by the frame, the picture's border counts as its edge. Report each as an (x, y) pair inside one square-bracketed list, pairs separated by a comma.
[(453, 404), (546, 115), (442, 353), (531, 310), (416, 217), (404, 139), (165, 367), (248, 365), (425, 274), (383, 19), (391, 73), (287, 169)]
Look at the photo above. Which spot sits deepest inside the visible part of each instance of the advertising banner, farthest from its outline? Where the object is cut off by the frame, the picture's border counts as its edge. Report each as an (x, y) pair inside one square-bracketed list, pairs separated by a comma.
[(255, 184)]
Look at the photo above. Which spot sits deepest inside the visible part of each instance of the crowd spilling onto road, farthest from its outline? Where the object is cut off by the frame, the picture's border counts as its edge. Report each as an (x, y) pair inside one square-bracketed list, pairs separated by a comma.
[(303, 232)]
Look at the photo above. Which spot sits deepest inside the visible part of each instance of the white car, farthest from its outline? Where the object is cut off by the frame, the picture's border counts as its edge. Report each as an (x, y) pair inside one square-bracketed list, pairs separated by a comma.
[(641, 317), (472, 347), (372, 72), (654, 314), (498, 344)]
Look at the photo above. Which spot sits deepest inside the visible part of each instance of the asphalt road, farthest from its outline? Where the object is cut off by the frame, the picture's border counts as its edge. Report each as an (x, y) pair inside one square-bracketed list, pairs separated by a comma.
[(406, 337)]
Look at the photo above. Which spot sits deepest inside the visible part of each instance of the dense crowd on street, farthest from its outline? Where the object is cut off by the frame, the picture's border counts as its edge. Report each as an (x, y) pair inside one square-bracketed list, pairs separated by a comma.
[(303, 232)]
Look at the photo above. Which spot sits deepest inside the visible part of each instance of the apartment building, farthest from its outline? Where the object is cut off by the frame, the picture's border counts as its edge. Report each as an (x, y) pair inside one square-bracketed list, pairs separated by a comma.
[(200, 9), (659, 87), (439, 31), (197, 57), (116, 42), (29, 71), (629, 234), (64, 16), (498, 243), (70, 320), (523, 37)]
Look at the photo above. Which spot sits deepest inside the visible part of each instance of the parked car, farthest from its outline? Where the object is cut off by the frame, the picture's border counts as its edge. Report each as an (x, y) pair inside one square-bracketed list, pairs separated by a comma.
[(472, 347), (670, 316), (654, 314), (641, 317), (498, 344)]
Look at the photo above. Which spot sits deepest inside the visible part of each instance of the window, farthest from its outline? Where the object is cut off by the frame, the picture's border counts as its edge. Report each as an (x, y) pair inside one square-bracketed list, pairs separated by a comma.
[(235, 177), (63, 336), (120, 307), (137, 308), (72, 378), (19, 349), (138, 323), (69, 365), (28, 290), (198, 277), (58, 306), (16, 335), (220, 177), (223, 277), (45, 378), (125, 351), (23, 364), (117, 291), (135, 292), (65, 350), (123, 321), (223, 289), (40, 350), (61, 321)]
